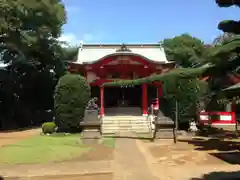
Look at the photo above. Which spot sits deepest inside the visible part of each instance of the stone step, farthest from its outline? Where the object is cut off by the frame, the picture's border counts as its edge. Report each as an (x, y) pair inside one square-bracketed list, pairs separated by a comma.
[(129, 134), (149, 133), (125, 128), (125, 124), (128, 129), (132, 127), (133, 130), (124, 118)]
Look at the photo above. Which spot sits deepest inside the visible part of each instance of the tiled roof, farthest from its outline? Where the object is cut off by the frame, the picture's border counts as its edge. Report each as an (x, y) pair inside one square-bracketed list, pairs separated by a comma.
[(90, 53)]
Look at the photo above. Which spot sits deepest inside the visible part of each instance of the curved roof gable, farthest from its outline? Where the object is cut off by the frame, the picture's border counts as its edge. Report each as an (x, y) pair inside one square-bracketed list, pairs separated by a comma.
[(91, 53)]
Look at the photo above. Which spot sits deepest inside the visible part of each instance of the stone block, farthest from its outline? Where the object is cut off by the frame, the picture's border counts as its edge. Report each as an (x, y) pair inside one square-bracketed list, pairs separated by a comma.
[(91, 136)]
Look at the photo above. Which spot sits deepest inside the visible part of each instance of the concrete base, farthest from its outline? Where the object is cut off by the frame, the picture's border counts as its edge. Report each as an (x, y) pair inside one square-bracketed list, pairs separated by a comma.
[(91, 136), (164, 134)]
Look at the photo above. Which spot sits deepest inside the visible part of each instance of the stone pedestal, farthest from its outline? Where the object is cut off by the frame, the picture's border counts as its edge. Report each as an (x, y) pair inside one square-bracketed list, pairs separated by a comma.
[(164, 128), (91, 127)]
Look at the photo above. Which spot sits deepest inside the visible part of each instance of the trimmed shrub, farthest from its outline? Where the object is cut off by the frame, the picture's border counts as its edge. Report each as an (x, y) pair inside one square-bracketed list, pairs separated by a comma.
[(72, 94), (48, 127)]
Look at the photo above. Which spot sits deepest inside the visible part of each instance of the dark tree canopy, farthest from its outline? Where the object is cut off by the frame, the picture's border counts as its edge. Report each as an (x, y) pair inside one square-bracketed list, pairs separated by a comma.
[(185, 49), (229, 50), (227, 3), (230, 26), (30, 30), (28, 43)]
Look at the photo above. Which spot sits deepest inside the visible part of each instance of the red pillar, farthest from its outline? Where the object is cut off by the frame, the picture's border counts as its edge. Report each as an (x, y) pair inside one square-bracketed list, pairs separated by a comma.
[(160, 93), (102, 101), (144, 100), (157, 99), (233, 106)]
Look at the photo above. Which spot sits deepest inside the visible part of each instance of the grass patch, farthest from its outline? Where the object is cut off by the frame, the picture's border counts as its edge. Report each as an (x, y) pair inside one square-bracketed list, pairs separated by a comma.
[(43, 149), (109, 142)]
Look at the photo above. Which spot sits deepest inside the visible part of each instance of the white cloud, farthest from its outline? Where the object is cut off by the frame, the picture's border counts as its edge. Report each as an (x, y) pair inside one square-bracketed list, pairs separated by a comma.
[(69, 39), (73, 39)]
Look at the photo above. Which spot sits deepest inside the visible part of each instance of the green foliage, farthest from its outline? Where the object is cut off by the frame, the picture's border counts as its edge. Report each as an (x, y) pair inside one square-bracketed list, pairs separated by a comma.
[(224, 38), (225, 55), (227, 48), (185, 50), (29, 32), (28, 43), (70, 53), (48, 127), (230, 26), (227, 3), (179, 73), (72, 94), (189, 93)]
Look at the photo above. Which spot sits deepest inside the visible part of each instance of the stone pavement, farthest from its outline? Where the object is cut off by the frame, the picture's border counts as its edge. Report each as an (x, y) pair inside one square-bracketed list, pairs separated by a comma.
[(129, 163)]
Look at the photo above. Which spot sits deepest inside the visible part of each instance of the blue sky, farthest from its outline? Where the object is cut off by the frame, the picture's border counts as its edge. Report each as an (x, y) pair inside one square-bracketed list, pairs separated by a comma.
[(142, 21)]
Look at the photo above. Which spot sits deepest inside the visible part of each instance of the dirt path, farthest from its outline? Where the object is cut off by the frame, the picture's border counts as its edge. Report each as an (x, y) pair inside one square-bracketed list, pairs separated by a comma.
[(167, 168), (12, 137), (129, 163)]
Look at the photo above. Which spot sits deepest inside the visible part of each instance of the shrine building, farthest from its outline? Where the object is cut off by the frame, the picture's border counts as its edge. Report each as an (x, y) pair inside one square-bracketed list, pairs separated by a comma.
[(101, 63)]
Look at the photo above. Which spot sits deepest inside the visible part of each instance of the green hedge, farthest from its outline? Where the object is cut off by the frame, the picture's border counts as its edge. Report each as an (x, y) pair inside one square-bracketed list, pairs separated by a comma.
[(72, 94), (48, 127)]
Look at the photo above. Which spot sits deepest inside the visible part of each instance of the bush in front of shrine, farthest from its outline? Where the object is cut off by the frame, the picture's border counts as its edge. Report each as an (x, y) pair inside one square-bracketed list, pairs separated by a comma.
[(49, 127), (72, 94)]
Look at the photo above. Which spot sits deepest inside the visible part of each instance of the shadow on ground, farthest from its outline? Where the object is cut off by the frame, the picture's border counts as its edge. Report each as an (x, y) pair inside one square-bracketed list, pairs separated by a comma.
[(221, 133), (220, 176), (226, 150), (213, 144)]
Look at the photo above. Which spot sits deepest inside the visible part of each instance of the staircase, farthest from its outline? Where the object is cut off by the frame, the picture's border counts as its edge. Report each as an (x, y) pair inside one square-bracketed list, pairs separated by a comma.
[(126, 125)]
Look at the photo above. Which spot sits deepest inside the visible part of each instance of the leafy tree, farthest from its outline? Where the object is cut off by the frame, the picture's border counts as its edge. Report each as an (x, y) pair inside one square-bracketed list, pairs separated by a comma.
[(34, 24), (228, 50), (185, 50), (28, 44), (224, 38), (189, 93), (70, 53), (72, 94)]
